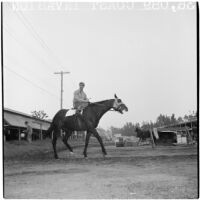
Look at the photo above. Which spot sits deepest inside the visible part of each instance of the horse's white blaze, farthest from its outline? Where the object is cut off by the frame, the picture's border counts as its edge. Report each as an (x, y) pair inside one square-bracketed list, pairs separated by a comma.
[(117, 104)]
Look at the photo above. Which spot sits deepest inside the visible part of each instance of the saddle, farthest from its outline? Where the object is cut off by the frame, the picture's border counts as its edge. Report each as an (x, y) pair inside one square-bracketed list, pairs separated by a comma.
[(79, 115), (79, 109)]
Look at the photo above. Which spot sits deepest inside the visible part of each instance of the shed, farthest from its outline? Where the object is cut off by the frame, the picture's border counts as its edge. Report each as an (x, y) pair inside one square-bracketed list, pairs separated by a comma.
[(174, 134), (14, 124)]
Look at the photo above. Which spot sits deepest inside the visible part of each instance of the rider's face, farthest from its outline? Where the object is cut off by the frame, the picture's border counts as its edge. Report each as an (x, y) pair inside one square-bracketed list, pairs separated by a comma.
[(81, 86)]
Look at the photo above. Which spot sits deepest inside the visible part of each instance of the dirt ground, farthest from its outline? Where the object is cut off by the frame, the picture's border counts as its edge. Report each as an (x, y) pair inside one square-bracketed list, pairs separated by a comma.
[(126, 173)]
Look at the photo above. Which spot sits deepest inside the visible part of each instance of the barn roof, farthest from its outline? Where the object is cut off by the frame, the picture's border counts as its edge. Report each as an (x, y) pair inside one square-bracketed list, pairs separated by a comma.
[(173, 129), (17, 119)]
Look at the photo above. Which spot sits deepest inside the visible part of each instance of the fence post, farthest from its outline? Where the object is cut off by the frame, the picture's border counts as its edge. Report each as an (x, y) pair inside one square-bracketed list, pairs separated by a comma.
[(152, 139), (19, 134), (41, 136)]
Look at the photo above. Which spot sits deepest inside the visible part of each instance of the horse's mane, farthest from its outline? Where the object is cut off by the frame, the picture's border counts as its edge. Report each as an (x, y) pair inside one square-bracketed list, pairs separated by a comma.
[(99, 102)]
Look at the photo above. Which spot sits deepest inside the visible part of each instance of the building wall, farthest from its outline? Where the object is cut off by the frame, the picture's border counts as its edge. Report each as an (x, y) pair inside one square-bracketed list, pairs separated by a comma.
[(14, 125)]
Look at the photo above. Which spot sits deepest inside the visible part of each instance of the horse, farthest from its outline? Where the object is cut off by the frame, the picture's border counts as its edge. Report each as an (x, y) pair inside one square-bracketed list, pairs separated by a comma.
[(143, 135), (87, 121)]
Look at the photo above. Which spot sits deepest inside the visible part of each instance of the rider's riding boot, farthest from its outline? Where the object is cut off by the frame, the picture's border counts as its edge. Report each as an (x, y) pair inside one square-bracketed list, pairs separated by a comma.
[(79, 113)]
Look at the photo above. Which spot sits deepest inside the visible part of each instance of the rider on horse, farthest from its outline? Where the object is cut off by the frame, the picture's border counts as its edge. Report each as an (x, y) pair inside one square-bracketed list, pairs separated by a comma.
[(87, 121), (80, 100)]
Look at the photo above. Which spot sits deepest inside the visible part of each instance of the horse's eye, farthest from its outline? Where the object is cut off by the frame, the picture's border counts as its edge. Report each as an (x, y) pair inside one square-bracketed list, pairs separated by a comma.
[(119, 100)]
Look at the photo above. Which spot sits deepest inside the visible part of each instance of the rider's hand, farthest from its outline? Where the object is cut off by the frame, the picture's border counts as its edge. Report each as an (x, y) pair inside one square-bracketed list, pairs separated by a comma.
[(85, 100)]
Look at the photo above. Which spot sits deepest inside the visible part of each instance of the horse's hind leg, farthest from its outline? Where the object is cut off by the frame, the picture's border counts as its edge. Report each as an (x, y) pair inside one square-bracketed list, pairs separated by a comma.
[(54, 139), (139, 141), (65, 138)]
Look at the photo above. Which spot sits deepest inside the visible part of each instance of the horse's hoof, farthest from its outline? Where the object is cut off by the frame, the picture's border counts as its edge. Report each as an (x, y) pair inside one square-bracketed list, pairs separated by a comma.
[(71, 152), (85, 156), (56, 157)]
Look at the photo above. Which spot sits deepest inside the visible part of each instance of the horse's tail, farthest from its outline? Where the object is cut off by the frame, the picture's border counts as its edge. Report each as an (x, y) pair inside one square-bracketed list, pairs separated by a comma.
[(57, 121), (50, 130)]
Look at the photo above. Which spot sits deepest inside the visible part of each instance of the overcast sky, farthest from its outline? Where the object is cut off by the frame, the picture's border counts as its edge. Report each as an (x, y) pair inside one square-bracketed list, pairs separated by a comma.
[(143, 53)]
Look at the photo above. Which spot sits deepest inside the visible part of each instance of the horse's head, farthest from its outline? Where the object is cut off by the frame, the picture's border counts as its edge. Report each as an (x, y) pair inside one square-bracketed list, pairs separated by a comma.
[(119, 106)]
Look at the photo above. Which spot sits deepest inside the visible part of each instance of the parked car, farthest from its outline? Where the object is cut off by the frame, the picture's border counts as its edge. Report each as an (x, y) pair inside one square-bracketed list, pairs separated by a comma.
[(119, 142)]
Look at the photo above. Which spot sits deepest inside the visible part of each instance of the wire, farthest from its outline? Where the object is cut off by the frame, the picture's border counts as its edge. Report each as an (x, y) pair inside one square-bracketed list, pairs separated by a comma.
[(15, 62), (25, 46), (38, 38), (42, 42), (30, 51), (35, 85)]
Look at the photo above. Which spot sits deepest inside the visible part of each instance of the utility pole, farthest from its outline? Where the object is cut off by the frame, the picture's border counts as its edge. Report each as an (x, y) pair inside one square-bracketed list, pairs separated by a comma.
[(61, 98), (2, 36), (2, 64), (197, 32)]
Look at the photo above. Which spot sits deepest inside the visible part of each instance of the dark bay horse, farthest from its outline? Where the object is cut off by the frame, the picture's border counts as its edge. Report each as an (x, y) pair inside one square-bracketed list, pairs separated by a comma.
[(88, 121), (143, 135)]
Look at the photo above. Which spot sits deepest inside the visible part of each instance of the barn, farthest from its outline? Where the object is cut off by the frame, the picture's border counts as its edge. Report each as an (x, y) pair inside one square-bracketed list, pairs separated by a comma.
[(14, 127), (184, 132)]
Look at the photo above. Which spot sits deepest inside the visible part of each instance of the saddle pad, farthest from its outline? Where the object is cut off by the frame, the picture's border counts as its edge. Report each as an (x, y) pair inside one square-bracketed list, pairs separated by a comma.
[(70, 112)]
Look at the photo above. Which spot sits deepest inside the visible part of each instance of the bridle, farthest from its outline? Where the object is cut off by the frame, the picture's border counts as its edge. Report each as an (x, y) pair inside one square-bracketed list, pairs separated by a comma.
[(111, 109)]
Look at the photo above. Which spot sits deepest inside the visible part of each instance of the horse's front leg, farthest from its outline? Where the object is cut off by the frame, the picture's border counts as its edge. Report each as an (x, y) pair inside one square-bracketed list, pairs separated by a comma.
[(54, 139), (96, 134), (86, 143)]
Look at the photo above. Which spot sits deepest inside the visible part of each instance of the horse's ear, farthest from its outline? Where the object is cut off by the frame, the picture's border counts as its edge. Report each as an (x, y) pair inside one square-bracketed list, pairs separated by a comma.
[(116, 96)]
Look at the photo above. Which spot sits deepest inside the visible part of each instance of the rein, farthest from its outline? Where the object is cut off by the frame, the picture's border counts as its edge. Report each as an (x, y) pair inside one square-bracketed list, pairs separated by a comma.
[(111, 109), (99, 104)]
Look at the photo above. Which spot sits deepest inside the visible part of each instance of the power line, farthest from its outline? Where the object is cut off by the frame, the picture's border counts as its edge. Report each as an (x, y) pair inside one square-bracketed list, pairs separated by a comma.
[(40, 39), (37, 37), (15, 62), (35, 85), (21, 44), (34, 33), (25, 46)]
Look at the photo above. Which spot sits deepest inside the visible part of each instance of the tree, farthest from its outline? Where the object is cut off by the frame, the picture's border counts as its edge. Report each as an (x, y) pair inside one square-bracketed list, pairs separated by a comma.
[(180, 119), (173, 119), (115, 130), (39, 114), (145, 125), (128, 129), (104, 133), (164, 120), (190, 116), (101, 131)]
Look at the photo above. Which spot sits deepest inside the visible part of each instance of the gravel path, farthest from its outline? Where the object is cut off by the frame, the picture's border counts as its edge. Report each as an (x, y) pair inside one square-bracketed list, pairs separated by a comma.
[(126, 173)]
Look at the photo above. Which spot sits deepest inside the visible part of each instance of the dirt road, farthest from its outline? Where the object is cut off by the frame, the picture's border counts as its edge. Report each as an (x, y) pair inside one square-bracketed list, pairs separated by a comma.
[(128, 172)]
